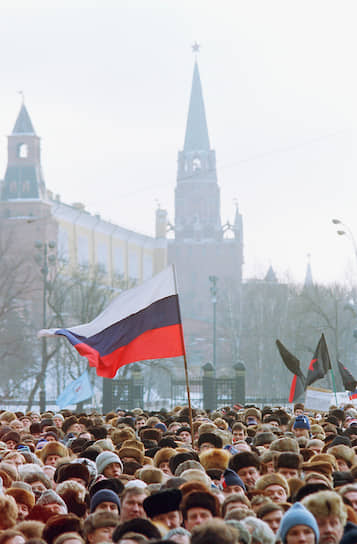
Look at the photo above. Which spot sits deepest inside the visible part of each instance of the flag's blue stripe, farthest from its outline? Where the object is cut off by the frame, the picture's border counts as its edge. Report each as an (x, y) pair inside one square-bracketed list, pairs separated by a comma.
[(162, 313)]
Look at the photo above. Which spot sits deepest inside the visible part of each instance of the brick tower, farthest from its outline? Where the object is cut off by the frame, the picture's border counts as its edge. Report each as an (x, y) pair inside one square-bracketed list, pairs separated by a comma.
[(202, 246)]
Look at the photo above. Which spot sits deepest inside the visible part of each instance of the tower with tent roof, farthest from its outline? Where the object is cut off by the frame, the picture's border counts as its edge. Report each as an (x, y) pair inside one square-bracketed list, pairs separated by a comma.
[(202, 246)]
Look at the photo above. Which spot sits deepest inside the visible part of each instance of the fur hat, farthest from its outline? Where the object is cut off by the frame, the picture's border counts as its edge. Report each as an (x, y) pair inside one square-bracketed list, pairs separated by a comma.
[(52, 448), (162, 502), (263, 438), (180, 457), (288, 460), (188, 465), (114, 484), (343, 452), (210, 438), (272, 479), (243, 460), (127, 451), (150, 475), (61, 523), (163, 456), (11, 435), (119, 436), (72, 470), (200, 499), (51, 497), (252, 412), (133, 443), (30, 528), (8, 511), (98, 520), (104, 495), (106, 458), (75, 497), (285, 444), (150, 434), (324, 504), (22, 496), (321, 467), (297, 515), (10, 469), (326, 458), (215, 458)]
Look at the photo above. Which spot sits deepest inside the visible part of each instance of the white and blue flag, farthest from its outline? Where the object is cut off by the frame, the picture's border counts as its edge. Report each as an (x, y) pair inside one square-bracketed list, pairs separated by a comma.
[(77, 391)]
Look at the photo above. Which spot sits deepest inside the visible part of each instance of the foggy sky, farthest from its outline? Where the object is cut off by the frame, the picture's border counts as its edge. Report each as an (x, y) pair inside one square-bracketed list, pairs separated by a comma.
[(107, 86)]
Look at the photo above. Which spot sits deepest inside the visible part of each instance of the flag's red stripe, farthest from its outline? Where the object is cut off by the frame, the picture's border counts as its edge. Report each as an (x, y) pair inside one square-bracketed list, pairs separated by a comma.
[(155, 344), (292, 389), (311, 365)]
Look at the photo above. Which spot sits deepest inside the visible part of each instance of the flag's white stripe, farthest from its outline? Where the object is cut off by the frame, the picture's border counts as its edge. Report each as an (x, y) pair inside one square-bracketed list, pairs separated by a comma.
[(127, 303)]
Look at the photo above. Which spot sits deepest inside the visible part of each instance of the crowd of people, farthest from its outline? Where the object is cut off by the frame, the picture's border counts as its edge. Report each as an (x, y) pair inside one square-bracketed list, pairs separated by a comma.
[(237, 475)]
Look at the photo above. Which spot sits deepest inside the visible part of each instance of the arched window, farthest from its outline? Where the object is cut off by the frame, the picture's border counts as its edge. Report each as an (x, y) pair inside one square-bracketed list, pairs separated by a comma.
[(22, 151)]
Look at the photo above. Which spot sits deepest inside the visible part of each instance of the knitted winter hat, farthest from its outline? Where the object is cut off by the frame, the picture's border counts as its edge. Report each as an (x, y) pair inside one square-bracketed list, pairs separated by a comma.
[(106, 458), (104, 495), (297, 515), (301, 422), (231, 478)]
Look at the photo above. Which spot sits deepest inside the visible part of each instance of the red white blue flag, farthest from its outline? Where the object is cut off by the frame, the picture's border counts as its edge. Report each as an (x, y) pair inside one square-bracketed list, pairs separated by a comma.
[(141, 323)]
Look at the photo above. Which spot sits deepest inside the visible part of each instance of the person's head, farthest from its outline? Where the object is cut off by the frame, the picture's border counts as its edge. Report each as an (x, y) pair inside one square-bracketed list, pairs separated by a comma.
[(349, 492), (247, 466), (105, 500), (298, 525), (132, 503), (239, 432), (69, 538), (272, 514), (144, 527), (179, 535), (52, 452), (197, 507), (12, 536), (289, 464), (164, 507), (52, 502), (109, 464), (330, 513), (301, 427), (259, 530), (214, 530), (231, 482), (235, 500), (275, 487), (25, 500), (99, 527)]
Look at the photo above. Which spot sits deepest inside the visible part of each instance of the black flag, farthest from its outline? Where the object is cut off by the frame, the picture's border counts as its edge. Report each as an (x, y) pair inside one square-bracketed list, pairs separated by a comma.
[(320, 363), (293, 364), (349, 382)]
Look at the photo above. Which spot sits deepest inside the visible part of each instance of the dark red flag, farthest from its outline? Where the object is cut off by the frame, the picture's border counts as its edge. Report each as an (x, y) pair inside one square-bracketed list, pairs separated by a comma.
[(349, 382), (320, 363), (293, 364)]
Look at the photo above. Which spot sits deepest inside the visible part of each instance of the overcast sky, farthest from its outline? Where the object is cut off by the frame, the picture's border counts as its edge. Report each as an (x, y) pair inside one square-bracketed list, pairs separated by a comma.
[(107, 86)]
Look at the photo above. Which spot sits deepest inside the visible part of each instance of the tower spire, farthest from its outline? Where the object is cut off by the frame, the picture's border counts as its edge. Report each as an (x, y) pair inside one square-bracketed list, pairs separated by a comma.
[(23, 124), (308, 276), (196, 138)]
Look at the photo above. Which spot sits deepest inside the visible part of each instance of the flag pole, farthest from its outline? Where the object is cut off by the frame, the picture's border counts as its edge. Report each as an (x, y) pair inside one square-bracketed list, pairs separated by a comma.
[(185, 361), (333, 383)]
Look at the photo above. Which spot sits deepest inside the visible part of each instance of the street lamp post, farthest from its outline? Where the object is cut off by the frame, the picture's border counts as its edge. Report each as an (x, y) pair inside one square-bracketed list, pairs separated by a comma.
[(346, 231), (213, 290), (44, 259)]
